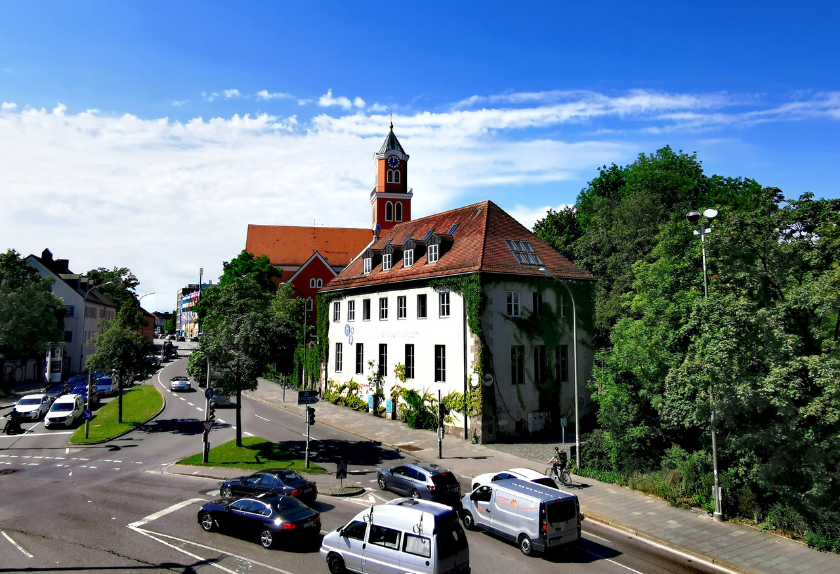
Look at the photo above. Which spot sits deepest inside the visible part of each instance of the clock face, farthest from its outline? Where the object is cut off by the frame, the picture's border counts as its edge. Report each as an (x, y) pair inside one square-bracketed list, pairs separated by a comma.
[(393, 161)]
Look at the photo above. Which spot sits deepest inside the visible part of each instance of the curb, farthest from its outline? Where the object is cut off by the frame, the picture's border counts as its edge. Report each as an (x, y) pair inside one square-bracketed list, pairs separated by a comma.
[(154, 416), (361, 490)]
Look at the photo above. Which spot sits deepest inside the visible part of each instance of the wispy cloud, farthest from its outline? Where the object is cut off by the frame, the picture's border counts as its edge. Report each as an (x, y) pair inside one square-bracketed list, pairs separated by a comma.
[(178, 103), (378, 108), (209, 97), (327, 100), (266, 95), (234, 93), (8, 106)]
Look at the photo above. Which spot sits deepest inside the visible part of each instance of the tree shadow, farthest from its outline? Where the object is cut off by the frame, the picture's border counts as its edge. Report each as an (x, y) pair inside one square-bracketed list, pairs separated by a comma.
[(353, 452), (187, 427)]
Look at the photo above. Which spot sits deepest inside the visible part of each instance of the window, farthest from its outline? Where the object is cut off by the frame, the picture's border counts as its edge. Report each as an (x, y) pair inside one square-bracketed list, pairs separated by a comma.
[(563, 363), (440, 363), (401, 307), (337, 312), (513, 303), (517, 364), (417, 545), (320, 283), (537, 303), (68, 336), (386, 537), (398, 214), (383, 358), (368, 264), (433, 253), (309, 304), (562, 306), (356, 530), (389, 211), (540, 370), (523, 252), (396, 176), (409, 361), (443, 303), (365, 309), (390, 176), (71, 310), (312, 283), (421, 306), (360, 358), (408, 258), (351, 310), (339, 357), (383, 309), (386, 262)]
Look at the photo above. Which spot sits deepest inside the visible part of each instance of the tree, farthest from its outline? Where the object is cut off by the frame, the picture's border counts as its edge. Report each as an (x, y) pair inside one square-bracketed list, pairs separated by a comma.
[(246, 264), (118, 285), (122, 351), (15, 272)]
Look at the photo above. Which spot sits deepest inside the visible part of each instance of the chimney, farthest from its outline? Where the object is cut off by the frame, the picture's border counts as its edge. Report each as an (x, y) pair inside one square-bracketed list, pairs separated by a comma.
[(46, 254), (376, 230)]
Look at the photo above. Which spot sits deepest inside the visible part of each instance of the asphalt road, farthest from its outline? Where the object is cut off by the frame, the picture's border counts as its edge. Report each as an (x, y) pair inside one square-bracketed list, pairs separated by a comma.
[(114, 507)]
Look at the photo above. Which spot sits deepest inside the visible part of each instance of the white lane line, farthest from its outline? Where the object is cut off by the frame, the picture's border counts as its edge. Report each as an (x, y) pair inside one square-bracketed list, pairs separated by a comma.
[(311, 437), (590, 535), (42, 434), (189, 403), (16, 545), (182, 398), (165, 511), (221, 421), (263, 418), (32, 428), (608, 560), (190, 554), (246, 433), (199, 408)]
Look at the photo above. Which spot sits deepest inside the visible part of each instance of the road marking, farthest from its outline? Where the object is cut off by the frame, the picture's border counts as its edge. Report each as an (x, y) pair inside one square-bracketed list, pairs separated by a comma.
[(190, 554), (199, 408), (590, 535), (41, 434), (609, 560), (189, 403), (165, 511), (246, 433), (16, 545), (263, 418), (311, 437), (221, 421), (182, 398)]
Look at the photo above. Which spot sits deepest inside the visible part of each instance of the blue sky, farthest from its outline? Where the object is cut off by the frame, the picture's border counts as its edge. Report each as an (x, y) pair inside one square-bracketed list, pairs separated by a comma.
[(159, 121)]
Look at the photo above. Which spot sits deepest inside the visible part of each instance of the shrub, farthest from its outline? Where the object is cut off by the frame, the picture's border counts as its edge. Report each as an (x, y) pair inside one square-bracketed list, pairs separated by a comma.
[(593, 451), (785, 518)]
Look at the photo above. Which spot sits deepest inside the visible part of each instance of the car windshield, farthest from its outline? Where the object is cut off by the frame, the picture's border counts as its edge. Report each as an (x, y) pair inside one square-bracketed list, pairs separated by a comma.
[(288, 475), (561, 511), (444, 479), (62, 407), (29, 402), (451, 542), (80, 390)]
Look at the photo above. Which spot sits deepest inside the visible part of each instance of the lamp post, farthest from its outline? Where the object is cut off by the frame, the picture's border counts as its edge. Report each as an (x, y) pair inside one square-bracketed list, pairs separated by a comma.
[(693, 218), (574, 358), (197, 324), (82, 347)]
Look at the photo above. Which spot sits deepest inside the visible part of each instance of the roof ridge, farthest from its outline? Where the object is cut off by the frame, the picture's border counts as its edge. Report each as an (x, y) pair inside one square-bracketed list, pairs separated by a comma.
[(484, 232)]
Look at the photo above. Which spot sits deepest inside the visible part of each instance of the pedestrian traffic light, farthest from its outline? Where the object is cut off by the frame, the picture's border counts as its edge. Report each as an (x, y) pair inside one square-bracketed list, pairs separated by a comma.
[(310, 415), (211, 412), (443, 412)]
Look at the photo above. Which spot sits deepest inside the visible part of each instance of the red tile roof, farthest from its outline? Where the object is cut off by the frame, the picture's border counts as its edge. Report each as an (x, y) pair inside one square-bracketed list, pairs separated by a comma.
[(289, 245), (477, 245)]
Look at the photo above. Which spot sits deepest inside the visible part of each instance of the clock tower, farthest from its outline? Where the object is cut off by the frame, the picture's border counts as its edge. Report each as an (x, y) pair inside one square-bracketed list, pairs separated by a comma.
[(391, 198)]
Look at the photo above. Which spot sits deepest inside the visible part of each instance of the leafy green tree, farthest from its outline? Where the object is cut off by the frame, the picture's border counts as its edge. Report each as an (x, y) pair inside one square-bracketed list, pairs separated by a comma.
[(246, 264), (15, 272), (118, 285)]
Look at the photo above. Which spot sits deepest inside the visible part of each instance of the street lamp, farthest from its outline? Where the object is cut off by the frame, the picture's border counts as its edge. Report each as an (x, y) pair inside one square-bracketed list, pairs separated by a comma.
[(693, 218), (82, 348), (574, 358)]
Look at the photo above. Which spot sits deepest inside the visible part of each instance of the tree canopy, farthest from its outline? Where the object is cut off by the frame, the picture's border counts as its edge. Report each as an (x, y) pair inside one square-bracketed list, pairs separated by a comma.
[(246, 264)]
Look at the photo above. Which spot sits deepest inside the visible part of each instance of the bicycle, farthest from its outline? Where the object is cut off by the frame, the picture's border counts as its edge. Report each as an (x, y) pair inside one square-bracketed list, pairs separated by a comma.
[(560, 474)]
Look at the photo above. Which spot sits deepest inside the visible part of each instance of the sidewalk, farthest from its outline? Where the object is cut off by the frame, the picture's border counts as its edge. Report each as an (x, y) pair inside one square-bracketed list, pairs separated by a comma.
[(733, 546), (10, 397)]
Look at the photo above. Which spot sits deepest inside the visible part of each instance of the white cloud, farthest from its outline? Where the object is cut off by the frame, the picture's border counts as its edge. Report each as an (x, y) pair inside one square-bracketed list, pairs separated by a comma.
[(528, 216), (303, 102), (210, 97), (178, 103), (359, 102), (378, 108), (328, 100), (266, 95), (234, 93), (8, 106)]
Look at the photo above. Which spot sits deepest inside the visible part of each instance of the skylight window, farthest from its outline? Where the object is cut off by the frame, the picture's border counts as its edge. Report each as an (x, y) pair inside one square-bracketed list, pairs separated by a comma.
[(454, 227), (428, 234), (523, 252)]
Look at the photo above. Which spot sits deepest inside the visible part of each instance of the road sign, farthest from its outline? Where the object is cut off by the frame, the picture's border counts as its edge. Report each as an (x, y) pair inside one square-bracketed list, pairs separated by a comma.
[(308, 400), (341, 470), (441, 433), (87, 415), (207, 425), (488, 380), (208, 394)]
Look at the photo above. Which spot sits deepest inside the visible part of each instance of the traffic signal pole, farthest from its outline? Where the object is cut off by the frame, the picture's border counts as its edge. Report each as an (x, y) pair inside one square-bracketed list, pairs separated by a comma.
[(308, 426)]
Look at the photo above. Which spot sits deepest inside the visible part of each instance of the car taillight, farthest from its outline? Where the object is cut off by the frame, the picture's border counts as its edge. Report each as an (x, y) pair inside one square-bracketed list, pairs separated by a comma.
[(295, 492), (430, 487), (288, 526), (315, 485), (545, 528)]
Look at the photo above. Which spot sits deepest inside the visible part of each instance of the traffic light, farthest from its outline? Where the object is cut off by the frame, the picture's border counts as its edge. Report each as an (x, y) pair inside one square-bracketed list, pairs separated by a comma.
[(443, 412), (211, 412), (310, 415)]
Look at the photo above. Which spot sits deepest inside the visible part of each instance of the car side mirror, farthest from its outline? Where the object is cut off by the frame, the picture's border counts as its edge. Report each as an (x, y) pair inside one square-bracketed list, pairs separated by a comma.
[(581, 517)]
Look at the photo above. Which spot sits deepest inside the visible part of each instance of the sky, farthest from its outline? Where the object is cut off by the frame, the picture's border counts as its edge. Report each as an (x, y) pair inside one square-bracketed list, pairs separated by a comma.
[(148, 135)]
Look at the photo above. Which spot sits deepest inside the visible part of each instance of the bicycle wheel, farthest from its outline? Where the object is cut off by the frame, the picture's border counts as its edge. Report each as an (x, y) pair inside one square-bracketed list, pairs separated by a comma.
[(548, 472), (566, 478)]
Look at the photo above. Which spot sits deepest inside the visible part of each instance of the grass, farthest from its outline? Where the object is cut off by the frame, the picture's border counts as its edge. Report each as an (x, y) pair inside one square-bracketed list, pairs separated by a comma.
[(140, 403), (254, 454)]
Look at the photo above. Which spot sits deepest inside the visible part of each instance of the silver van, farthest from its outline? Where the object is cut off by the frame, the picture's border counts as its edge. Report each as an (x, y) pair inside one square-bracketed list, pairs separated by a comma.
[(536, 517), (405, 535)]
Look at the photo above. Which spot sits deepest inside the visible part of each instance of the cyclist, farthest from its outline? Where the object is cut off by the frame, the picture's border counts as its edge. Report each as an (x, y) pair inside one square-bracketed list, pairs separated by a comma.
[(558, 460)]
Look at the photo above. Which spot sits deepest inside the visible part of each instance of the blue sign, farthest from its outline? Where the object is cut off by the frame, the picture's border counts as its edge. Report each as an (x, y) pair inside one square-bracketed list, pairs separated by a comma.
[(87, 415), (388, 405), (208, 394), (370, 402)]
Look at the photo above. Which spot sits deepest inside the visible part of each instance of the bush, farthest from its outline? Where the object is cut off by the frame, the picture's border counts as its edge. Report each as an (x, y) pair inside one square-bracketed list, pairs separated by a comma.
[(418, 411), (785, 518), (593, 451)]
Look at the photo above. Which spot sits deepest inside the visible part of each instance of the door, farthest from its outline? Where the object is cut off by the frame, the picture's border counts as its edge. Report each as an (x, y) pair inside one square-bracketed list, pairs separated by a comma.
[(351, 543), (398, 480), (416, 555), (234, 516), (249, 485), (382, 551), (481, 502), (267, 483)]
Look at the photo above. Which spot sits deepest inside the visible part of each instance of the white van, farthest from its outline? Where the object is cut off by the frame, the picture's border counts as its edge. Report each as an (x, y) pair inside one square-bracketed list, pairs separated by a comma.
[(405, 535), (65, 411), (536, 517)]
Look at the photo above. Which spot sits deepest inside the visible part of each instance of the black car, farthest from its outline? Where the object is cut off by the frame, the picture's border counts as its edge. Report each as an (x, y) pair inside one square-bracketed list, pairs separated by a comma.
[(272, 518), (273, 480), (57, 390), (423, 480)]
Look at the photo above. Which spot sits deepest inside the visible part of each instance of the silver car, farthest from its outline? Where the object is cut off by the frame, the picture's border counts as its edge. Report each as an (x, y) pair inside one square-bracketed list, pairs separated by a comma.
[(220, 400), (180, 384)]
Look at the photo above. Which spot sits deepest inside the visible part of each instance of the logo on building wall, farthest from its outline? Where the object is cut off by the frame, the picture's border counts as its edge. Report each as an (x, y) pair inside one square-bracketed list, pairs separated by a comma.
[(348, 332)]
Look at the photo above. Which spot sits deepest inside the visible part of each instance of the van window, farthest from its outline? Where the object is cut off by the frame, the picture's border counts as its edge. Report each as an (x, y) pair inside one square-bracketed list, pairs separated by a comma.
[(483, 494), (386, 537), (561, 511), (451, 542), (355, 530), (417, 545)]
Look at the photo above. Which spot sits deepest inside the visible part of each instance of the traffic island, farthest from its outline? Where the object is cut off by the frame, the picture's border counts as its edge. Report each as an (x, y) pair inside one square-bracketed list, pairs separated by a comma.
[(140, 405), (346, 490), (255, 454)]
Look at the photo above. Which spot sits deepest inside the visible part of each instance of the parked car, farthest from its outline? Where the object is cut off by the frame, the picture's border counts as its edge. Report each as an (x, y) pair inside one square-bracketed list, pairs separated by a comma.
[(180, 383), (153, 360), (423, 480), (82, 391), (274, 480), (65, 411), (271, 518), (181, 338), (221, 400), (107, 386), (194, 339), (33, 407), (57, 390), (520, 473), (170, 337)]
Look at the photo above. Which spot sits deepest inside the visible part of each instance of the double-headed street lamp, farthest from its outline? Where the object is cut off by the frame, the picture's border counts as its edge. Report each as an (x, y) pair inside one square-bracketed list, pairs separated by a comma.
[(82, 348), (693, 218)]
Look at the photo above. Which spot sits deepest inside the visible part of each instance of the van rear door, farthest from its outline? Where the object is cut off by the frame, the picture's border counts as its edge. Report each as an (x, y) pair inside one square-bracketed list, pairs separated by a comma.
[(561, 522), (451, 549)]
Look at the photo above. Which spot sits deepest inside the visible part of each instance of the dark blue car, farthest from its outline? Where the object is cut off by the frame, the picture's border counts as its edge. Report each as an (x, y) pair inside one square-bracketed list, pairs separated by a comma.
[(82, 390)]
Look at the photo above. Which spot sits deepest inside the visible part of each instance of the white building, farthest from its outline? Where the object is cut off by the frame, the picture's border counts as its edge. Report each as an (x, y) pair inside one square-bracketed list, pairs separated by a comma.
[(409, 300), (81, 321)]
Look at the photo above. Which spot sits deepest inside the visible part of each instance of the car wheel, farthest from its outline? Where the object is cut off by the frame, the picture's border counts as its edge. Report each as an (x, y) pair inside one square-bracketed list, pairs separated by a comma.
[(207, 522), (335, 564), (525, 545), (266, 538), (382, 484), (226, 492), (415, 494), (469, 521)]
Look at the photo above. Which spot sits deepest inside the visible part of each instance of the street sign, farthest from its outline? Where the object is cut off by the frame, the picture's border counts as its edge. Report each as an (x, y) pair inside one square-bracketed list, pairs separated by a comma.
[(207, 425), (341, 470), (307, 400), (488, 380), (564, 422), (441, 433), (208, 394), (87, 415)]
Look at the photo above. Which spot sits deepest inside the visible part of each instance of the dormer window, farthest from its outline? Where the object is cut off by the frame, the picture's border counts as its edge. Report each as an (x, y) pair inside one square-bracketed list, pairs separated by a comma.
[(386, 261), (389, 211), (368, 264), (398, 214), (408, 258), (434, 253)]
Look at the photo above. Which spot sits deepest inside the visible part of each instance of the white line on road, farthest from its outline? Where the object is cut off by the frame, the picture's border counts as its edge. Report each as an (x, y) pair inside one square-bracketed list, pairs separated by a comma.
[(263, 418), (18, 546), (190, 554), (608, 560), (165, 511), (189, 403), (51, 433), (311, 437), (199, 408), (221, 421), (246, 433)]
